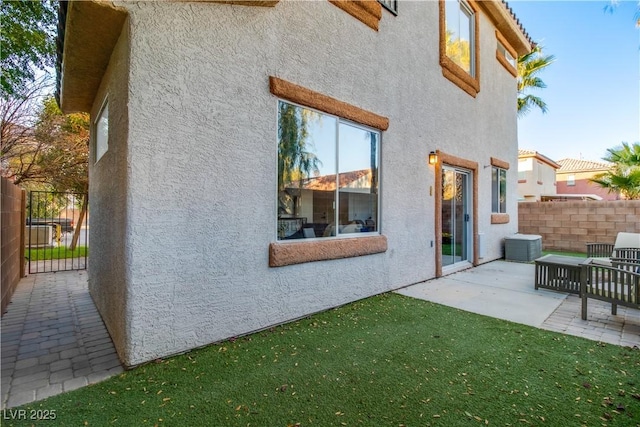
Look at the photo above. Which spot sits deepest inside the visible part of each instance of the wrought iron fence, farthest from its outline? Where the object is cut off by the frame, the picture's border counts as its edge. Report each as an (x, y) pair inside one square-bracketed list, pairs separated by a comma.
[(57, 234)]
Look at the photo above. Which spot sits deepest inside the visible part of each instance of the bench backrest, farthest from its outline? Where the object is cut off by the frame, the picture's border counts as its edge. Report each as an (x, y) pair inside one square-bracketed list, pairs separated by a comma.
[(620, 282)]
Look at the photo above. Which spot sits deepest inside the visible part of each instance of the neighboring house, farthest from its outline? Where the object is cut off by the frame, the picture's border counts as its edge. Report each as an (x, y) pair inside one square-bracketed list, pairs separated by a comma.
[(210, 117), (574, 177), (536, 176)]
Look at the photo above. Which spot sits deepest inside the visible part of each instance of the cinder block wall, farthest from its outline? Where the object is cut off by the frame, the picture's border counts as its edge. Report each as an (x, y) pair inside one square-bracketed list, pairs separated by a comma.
[(11, 239), (568, 226)]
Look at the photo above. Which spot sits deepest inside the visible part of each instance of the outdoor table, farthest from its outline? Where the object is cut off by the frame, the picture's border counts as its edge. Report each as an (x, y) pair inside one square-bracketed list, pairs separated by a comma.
[(559, 273)]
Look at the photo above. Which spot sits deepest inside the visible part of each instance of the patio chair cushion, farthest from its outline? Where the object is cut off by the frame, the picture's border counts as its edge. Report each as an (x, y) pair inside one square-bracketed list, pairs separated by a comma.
[(627, 240)]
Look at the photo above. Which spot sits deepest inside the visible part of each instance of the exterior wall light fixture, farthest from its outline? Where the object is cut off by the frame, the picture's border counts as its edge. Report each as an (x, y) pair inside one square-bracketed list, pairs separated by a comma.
[(433, 158)]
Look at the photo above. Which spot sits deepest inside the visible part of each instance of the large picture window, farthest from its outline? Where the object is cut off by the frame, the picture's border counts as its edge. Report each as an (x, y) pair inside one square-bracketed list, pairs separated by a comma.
[(328, 175)]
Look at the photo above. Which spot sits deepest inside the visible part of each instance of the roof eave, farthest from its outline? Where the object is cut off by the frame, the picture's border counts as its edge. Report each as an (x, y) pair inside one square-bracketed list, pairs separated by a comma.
[(87, 33), (508, 25)]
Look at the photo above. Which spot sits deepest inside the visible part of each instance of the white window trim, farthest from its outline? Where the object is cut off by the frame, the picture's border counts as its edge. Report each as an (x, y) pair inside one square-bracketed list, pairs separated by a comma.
[(99, 154)]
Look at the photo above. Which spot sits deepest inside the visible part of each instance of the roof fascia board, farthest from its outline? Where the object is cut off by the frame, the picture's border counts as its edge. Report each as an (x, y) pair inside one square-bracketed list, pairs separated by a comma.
[(506, 24)]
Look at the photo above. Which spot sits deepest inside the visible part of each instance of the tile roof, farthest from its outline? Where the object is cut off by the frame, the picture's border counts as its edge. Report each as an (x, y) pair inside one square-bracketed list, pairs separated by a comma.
[(518, 23), (576, 165), (531, 153)]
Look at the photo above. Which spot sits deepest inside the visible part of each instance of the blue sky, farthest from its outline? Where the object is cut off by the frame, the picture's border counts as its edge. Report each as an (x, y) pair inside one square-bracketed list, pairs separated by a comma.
[(593, 87)]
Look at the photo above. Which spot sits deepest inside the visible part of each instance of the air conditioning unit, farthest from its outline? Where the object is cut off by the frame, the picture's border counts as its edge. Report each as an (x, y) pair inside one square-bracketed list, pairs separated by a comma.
[(38, 236)]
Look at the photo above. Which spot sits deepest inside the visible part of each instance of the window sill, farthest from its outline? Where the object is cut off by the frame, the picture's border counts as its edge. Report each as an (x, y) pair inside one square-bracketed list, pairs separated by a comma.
[(290, 253), (510, 68), (454, 73), (499, 218), (367, 12)]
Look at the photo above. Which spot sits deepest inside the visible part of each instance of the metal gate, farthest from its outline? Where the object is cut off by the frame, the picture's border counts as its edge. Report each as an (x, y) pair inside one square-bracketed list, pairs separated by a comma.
[(57, 235)]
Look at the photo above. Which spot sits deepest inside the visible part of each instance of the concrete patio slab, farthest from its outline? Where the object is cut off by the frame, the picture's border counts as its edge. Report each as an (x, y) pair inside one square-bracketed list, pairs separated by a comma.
[(505, 290), (499, 289)]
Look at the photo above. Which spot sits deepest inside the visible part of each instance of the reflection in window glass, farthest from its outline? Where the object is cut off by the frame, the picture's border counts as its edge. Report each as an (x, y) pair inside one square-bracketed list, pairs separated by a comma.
[(327, 175), (102, 132), (459, 34), (506, 55)]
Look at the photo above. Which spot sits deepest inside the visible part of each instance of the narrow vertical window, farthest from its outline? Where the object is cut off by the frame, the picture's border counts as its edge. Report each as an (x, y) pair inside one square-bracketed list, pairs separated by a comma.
[(101, 128), (498, 190)]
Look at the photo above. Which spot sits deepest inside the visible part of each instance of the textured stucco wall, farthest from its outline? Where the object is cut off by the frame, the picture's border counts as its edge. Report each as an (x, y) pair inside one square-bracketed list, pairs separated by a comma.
[(200, 175), (108, 193)]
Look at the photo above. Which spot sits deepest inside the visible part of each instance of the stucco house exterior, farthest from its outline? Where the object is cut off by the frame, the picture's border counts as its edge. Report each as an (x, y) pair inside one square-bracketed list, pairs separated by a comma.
[(574, 177), (536, 176), (221, 130)]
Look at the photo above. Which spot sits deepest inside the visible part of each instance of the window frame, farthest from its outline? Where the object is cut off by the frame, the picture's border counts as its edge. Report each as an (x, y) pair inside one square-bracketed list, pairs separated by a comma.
[(101, 149), (469, 82), (499, 217), (496, 172), (336, 220), (387, 4), (512, 68), (571, 180), (284, 253)]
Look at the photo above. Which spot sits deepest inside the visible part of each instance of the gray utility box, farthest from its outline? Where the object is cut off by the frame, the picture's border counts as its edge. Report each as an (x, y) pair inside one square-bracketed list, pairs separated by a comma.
[(522, 247)]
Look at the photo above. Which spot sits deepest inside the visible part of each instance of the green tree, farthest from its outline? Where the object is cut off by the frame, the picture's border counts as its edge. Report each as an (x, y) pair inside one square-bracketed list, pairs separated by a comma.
[(27, 40), (64, 162), (43, 146), (529, 67), (624, 176)]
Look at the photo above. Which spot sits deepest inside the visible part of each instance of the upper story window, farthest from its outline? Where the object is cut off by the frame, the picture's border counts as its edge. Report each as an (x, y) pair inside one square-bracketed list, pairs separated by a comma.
[(101, 129), (459, 44), (390, 5), (506, 55), (328, 175), (571, 180), (459, 34)]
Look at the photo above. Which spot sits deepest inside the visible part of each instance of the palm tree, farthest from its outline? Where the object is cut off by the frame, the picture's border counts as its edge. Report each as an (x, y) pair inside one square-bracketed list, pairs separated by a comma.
[(295, 161), (624, 176), (529, 66)]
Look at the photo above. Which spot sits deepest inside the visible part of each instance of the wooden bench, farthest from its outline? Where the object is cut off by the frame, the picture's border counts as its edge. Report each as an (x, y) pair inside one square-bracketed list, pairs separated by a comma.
[(618, 284), (559, 273)]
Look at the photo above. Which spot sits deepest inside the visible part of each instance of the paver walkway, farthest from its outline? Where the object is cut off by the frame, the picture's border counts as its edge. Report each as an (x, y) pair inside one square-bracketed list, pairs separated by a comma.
[(53, 339)]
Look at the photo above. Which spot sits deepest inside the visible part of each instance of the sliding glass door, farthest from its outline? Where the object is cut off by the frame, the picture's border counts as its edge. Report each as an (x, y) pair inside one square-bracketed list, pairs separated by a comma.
[(456, 216)]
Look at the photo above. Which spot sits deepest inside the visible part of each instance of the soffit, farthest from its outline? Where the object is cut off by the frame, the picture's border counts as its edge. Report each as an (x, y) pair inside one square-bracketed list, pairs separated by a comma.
[(90, 33)]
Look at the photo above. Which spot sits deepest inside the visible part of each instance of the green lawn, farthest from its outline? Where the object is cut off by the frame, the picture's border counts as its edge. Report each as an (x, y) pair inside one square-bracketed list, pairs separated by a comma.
[(61, 252), (389, 360)]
